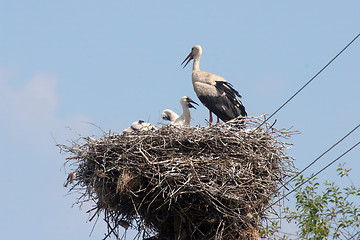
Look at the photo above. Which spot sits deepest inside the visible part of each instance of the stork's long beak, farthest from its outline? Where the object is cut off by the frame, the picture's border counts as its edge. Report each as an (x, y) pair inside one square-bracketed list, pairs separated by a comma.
[(189, 101), (189, 58)]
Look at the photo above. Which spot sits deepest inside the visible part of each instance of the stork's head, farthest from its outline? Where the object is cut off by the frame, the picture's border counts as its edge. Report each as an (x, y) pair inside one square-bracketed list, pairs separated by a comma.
[(195, 52), (165, 115), (169, 115), (187, 102)]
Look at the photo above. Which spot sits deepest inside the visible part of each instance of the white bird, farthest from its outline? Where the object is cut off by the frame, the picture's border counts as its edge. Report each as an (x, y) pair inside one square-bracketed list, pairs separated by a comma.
[(214, 91), (169, 115), (185, 118), (139, 126)]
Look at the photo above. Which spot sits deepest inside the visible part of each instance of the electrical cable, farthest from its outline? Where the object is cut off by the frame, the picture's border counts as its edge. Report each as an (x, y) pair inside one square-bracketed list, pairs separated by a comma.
[(347, 151), (287, 101), (313, 162)]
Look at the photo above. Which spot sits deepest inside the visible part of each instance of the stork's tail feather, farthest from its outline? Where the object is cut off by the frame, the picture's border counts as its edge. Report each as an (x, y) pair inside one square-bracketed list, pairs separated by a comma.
[(227, 88), (232, 95)]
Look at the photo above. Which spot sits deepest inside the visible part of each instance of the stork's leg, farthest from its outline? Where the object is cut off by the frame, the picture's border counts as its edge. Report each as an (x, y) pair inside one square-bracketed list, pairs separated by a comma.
[(217, 120), (210, 119)]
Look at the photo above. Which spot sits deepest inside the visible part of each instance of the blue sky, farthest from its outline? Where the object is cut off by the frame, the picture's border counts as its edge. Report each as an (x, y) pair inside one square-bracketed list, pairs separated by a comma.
[(65, 64)]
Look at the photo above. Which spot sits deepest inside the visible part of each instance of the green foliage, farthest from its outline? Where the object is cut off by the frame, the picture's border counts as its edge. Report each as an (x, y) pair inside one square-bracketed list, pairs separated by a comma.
[(271, 232), (333, 213)]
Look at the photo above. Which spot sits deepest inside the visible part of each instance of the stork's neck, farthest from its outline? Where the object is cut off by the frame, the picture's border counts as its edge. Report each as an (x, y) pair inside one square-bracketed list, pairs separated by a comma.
[(173, 117), (186, 114), (196, 64)]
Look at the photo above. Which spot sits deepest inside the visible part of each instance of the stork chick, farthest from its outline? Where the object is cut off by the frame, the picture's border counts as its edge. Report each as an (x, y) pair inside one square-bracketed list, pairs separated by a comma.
[(169, 115), (185, 118)]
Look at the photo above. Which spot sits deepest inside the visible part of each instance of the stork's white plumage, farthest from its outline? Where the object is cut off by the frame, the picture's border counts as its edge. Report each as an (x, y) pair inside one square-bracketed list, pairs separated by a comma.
[(139, 126), (185, 118), (169, 115), (214, 91)]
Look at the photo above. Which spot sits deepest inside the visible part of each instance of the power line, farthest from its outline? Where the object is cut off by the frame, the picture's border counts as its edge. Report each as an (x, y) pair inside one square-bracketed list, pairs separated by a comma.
[(314, 175), (354, 235), (348, 134), (287, 101)]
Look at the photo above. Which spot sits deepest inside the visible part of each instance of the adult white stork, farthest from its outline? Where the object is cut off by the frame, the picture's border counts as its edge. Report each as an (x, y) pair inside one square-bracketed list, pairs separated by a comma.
[(214, 92), (185, 117), (169, 115)]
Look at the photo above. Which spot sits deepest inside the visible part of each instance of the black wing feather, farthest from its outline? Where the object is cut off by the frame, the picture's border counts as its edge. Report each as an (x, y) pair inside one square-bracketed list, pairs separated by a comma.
[(226, 105)]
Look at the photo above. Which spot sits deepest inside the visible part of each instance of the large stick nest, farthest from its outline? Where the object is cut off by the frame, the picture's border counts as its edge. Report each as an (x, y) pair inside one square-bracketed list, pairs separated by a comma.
[(183, 182)]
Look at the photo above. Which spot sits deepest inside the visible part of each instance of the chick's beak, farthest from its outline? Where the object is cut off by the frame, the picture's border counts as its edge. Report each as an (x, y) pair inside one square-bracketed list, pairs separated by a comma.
[(189, 100)]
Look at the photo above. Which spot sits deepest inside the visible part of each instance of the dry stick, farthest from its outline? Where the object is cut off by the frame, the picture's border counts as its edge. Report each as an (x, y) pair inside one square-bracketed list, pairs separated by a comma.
[(110, 232), (92, 229), (91, 200), (191, 222), (97, 211), (137, 212)]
